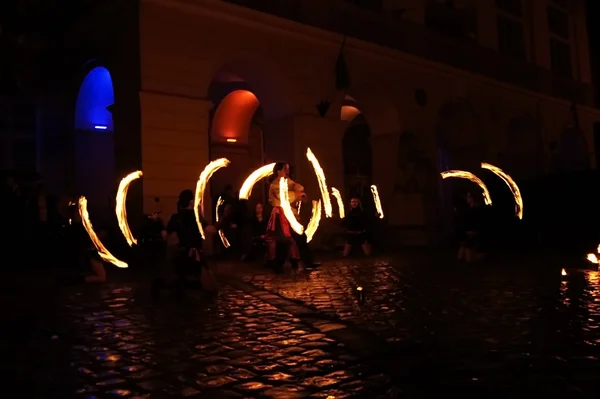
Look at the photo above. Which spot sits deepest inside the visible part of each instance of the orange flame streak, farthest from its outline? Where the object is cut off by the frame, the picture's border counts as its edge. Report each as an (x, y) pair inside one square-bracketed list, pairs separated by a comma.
[(461, 174), (224, 239), (102, 251), (512, 185), (299, 206), (377, 200), (284, 198), (205, 176), (340, 202), (253, 178), (592, 258), (121, 208), (313, 223), (563, 272), (322, 182)]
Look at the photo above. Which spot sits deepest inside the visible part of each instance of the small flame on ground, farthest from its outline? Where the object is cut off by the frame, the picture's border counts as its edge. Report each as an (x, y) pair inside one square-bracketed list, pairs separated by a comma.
[(340, 202), (592, 258), (462, 174), (205, 176), (253, 178), (224, 239), (563, 272), (313, 223), (102, 251), (512, 185), (284, 198), (322, 182), (378, 206), (121, 206)]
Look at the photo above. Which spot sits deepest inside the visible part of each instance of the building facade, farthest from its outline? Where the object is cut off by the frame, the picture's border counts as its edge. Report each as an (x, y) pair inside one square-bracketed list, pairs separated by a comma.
[(431, 85)]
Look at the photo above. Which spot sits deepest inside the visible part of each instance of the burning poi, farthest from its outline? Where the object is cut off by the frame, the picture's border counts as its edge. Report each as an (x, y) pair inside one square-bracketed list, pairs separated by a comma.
[(322, 182), (313, 224), (340, 202), (224, 239), (512, 185), (377, 201), (121, 206), (462, 174), (255, 177), (87, 224), (205, 176)]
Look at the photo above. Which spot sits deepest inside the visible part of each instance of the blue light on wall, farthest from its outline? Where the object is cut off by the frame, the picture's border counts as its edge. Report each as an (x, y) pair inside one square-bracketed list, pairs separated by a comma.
[(95, 94)]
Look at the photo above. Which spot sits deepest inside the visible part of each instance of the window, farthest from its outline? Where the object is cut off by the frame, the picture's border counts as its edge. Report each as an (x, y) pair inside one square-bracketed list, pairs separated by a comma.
[(558, 22), (513, 7), (560, 56), (374, 5), (510, 38)]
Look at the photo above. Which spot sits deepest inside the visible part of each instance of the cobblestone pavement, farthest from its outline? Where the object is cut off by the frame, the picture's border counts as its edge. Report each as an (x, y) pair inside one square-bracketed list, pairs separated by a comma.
[(110, 341), (508, 326)]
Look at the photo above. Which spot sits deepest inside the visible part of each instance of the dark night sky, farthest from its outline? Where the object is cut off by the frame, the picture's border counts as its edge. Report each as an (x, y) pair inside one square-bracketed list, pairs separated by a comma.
[(593, 11)]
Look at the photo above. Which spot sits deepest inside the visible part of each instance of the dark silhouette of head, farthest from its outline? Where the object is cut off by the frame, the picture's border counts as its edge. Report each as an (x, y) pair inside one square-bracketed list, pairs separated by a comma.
[(186, 199)]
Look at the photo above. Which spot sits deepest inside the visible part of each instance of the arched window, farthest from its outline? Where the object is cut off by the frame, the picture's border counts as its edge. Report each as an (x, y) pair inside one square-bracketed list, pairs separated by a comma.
[(95, 95)]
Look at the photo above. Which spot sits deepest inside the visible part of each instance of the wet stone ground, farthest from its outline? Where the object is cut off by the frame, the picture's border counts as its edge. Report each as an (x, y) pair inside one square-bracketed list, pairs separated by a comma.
[(112, 342), (510, 327)]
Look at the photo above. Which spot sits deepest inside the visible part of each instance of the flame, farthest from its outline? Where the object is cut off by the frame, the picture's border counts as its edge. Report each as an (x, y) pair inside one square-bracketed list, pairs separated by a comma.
[(205, 176), (313, 223), (224, 239), (340, 202), (563, 272), (514, 188), (322, 182), (258, 174), (284, 198), (299, 206), (592, 258), (378, 207), (461, 174), (121, 208), (102, 251)]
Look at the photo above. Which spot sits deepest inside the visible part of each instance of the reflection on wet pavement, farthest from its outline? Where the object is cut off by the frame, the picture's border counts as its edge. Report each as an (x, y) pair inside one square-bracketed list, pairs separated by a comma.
[(521, 329), (236, 346)]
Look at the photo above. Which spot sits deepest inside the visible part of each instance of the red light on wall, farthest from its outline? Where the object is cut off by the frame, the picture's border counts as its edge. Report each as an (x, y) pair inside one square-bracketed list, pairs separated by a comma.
[(232, 140)]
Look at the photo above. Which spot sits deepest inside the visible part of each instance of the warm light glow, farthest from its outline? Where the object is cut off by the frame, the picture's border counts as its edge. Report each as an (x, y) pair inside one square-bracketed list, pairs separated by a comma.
[(313, 223), (205, 176), (563, 272), (377, 200), (102, 251), (299, 206), (340, 202), (233, 117), (592, 258), (121, 206), (349, 112), (322, 182), (514, 188), (224, 239), (258, 174), (232, 140), (461, 174), (284, 198), (359, 288)]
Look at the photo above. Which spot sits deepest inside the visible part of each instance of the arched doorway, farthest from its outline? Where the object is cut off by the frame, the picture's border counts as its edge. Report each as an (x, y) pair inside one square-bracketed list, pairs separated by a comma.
[(94, 141), (356, 151)]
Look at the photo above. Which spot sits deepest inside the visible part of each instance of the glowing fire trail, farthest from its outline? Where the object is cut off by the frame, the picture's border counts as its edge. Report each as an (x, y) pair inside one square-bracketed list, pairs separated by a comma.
[(377, 200), (593, 258), (461, 174), (255, 177), (205, 176), (102, 251), (284, 198), (313, 223), (340, 202), (224, 239), (121, 206), (322, 182), (514, 188)]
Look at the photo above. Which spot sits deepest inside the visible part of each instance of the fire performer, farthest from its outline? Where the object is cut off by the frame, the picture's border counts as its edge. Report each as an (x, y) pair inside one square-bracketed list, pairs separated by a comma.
[(279, 239)]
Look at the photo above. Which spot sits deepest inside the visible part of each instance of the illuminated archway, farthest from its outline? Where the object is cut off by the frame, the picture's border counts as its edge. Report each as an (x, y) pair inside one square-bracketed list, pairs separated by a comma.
[(94, 142), (95, 95), (233, 118)]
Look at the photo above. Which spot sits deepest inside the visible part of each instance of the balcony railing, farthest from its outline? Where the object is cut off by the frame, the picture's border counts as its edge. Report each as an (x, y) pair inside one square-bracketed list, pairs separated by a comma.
[(416, 39)]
